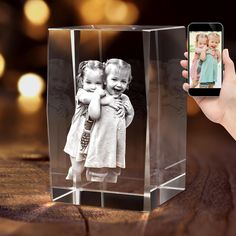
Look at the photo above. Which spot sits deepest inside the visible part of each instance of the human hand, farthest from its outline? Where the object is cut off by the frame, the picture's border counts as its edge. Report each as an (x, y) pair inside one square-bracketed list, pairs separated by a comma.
[(127, 108), (114, 103), (121, 112), (100, 92), (119, 107), (221, 109)]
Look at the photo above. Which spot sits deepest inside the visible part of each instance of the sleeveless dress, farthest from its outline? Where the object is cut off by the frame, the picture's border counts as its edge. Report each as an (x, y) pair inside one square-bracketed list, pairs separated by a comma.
[(73, 142), (108, 139), (208, 74), (195, 68)]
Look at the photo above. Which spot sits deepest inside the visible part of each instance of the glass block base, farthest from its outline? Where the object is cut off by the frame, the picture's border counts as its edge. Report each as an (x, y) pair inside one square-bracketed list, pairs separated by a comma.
[(85, 195)]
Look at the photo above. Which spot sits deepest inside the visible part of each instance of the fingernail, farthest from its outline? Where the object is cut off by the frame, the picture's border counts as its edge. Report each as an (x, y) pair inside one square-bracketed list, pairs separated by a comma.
[(227, 52)]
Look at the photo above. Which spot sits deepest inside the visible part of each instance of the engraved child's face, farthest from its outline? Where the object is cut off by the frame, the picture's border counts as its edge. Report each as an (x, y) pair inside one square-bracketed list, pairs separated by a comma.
[(213, 42), (92, 80), (117, 81), (202, 42)]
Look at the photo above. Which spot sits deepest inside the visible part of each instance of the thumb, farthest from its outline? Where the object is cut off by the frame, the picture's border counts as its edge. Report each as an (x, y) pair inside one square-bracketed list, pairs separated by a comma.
[(229, 70)]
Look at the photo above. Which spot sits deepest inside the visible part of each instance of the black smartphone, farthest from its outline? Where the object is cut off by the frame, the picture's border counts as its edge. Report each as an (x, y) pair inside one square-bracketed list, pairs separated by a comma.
[(205, 46)]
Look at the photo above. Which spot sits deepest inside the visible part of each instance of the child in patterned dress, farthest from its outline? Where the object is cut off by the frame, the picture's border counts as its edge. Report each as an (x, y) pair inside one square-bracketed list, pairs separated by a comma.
[(201, 45)]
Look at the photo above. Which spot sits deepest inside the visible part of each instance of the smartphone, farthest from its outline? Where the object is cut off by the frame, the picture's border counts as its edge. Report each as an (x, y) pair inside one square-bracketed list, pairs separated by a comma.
[(205, 46)]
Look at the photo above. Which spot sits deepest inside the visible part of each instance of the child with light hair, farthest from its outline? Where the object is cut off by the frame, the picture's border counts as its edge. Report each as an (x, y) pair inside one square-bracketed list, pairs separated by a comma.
[(200, 45), (106, 152), (210, 59)]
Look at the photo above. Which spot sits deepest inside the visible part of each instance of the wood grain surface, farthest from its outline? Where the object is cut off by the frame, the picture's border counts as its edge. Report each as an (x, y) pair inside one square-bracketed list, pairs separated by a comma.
[(205, 208)]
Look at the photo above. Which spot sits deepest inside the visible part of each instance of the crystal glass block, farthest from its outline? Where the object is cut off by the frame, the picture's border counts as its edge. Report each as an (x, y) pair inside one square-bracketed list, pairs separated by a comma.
[(133, 130)]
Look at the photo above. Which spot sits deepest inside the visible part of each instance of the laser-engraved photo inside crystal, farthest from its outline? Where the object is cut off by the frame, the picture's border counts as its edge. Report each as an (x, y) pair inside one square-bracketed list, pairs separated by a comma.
[(96, 140)]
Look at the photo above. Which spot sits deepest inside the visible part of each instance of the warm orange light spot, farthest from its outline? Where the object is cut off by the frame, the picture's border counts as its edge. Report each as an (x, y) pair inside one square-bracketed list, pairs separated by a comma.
[(107, 11), (92, 11), (116, 11), (133, 13), (37, 11), (49, 204), (29, 105), (2, 65), (31, 85)]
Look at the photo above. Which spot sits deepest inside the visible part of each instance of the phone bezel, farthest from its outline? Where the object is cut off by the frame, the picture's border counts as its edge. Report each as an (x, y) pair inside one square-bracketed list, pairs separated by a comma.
[(205, 26)]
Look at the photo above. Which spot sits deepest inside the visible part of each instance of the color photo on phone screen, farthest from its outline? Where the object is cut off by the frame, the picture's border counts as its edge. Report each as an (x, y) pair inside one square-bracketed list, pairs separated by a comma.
[(205, 58)]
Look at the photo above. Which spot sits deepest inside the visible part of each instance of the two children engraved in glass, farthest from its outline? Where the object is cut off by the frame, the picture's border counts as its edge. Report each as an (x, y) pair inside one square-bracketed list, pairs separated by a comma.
[(96, 141)]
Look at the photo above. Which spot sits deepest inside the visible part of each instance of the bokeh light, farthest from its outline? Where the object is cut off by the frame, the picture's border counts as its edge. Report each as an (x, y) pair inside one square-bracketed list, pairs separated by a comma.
[(116, 11), (31, 85), (107, 12), (37, 11), (29, 105), (92, 11), (132, 13), (2, 65), (49, 204)]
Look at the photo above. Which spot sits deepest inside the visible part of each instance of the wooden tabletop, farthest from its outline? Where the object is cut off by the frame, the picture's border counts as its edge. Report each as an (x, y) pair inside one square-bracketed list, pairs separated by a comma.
[(205, 208)]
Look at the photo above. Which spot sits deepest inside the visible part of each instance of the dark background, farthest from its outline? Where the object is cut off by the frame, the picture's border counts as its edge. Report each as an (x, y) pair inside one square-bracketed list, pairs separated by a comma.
[(24, 53)]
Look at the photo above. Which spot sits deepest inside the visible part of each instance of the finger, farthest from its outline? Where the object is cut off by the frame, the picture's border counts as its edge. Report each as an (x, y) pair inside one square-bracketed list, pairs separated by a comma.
[(119, 112), (186, 54), (113, 105), (121, 115), (186, 87), (185, 74), (229, 65), (118, 102), (184, 64)]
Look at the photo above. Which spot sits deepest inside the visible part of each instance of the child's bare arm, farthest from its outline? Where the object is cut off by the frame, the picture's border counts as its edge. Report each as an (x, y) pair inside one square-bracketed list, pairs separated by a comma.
[(198, 51), (203, 55), (94, 108), (127, 104), (129, 110), (111, 101), (84, 96), (107, 100), (129, 117)]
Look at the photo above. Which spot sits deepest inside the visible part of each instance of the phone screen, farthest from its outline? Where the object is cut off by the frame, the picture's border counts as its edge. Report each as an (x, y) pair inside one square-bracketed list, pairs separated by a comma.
[(205, 57)]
